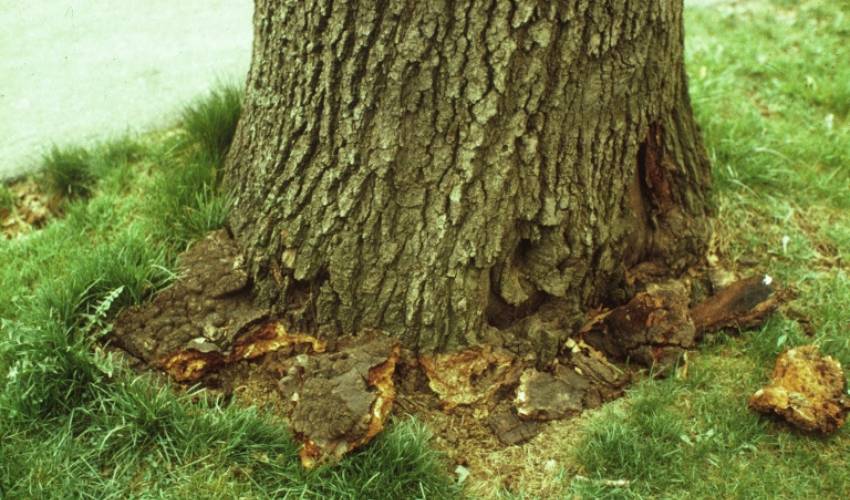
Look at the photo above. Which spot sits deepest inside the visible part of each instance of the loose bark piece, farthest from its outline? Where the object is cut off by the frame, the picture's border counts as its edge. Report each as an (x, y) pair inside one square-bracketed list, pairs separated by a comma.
[(510, 429), (214, 266), (654, 328), (546, 396), (583, 379), (339, 401), (469, 376), (606, 380), (806, 389), (743, 304)]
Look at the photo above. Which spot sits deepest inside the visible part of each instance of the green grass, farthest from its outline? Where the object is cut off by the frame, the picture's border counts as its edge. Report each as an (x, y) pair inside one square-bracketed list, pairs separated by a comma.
[(68, 171), (772, 97), (185, 203), (75, 421), (74, 172), (7, 199), (136, 438), (210, 122)]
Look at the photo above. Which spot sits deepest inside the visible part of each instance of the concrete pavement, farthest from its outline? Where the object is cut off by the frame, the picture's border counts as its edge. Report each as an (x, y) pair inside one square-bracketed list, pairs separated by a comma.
[(76, 71)]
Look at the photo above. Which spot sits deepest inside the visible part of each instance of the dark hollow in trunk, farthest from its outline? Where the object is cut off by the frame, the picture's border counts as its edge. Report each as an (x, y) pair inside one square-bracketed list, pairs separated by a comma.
[(463, 172)]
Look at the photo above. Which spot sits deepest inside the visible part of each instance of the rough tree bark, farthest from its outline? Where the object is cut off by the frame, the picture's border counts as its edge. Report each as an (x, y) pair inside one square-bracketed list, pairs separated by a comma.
[(461, 172)]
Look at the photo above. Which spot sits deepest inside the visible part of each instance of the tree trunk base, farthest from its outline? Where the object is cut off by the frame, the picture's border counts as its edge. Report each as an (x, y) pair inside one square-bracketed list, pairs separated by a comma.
[(338, 393), (462, 173)]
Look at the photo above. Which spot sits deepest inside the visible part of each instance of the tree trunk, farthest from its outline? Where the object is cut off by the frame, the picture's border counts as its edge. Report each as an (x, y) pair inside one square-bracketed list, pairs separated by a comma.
[(461, 172)]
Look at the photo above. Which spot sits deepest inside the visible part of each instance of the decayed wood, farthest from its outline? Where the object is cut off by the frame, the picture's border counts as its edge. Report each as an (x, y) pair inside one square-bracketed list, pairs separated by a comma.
[(469, 376), (743, 304), (654, 328), (337, 402), (806, 389)]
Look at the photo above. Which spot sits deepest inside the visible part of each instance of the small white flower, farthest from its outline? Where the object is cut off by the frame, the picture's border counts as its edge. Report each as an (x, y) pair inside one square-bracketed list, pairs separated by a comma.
[(767, 280)]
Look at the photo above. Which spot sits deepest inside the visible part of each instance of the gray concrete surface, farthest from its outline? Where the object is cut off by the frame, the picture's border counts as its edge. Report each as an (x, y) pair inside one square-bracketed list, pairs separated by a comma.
[(77, 71)]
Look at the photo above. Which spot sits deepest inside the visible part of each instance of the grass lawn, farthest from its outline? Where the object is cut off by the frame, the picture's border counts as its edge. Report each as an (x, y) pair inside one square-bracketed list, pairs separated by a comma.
[(770, 82)]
